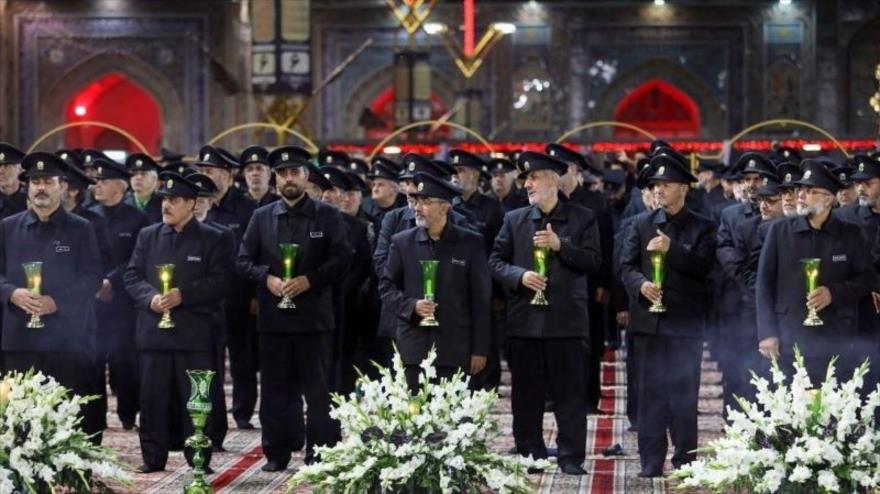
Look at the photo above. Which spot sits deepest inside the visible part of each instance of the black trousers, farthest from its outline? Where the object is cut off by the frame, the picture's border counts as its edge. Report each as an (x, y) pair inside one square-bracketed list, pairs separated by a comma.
[(632, 380), (412, 376), (73, 370), (596, 350), (122, 360), (164, 392), (219, 422), (669, 385), (742, 358), (490, 376), (554, 367), (293, 365), (241, 338)]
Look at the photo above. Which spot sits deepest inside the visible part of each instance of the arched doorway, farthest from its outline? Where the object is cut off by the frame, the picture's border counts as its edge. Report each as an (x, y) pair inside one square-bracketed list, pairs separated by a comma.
[(117, 100), (660, 108), (377, 119)]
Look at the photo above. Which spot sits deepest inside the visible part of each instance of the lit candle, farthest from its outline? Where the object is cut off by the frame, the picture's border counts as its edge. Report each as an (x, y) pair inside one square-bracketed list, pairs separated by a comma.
[(288, 268), (37, 281)]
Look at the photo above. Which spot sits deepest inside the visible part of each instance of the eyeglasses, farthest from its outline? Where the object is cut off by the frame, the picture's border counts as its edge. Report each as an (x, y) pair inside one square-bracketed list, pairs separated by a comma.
[(424, 201)]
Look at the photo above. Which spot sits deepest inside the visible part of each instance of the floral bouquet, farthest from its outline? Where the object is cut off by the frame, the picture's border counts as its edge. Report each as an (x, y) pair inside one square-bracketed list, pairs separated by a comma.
[(435, 441), (795, 439), (41, 444)]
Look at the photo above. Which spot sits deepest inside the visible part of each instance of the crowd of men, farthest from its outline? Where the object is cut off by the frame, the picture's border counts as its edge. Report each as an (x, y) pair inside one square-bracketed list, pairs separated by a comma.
[(732, 240)]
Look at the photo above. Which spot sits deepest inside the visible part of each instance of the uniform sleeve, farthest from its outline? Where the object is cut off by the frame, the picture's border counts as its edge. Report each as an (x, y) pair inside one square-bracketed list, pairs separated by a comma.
[(380, 255), (135, 274), (480, 300), (863, 277), (631, 261), (606, 242), (6, 286), (698, 259), (391, 286), (116, 272), (214, 286), (725, 251), (246, 261), (765, 285), (361, 263), (337, 258), (501, 260), (584, 254)]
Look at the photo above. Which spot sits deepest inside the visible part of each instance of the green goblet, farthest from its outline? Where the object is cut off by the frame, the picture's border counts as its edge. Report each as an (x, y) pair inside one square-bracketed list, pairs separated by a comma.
[(540, 255), (811, 277), (429, 281), (288, 259), (199, 408), (658, 273)]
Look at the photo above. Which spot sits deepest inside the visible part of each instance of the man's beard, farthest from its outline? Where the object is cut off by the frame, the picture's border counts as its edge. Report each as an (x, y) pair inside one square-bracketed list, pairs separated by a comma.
[(808, 211), (788, 212), (864, 201), (421, 222), (291, 192)]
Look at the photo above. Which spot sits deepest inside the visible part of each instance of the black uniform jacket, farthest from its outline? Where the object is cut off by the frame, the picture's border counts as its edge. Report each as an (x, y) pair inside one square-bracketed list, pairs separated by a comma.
[(71, 274), (846, 269), (462, 294), (688, 263), (324, 255), (201, 259), (567, 288)]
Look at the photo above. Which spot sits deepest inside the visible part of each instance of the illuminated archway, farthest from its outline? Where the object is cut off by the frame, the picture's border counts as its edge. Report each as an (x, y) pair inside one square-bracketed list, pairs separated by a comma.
[(660, 108), (377, 119), (115, 99)]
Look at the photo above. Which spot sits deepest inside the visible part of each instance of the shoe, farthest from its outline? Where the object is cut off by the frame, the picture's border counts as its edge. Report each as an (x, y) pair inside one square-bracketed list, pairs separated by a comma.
[(513, 451), (310, 459), (533, 470), (149, 469), (218, 448), (244, 425), (572, 469), (548, 406), (616, 450), (208, 470), (128, 426), (650, 474), (273, 466), (552, 452)]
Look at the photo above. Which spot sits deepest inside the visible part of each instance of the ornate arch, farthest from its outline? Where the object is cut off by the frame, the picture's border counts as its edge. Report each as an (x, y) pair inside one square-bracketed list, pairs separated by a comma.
[(171, 105), (368, 88), (711, 113)]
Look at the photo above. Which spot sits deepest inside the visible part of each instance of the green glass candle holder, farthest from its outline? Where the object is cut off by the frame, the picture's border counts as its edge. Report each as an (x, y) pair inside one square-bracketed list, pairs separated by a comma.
[(658, 273), (540, 256), (429, 282), (288, 261), (811, 278), (166, 274), (33, 271), (199, 408)]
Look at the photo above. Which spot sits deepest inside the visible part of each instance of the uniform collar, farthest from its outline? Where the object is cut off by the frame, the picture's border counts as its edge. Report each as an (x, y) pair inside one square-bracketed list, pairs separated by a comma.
[(559, 214), (57, 218), (832, 225), (191, 225), (450, 234), (306, 207), (661, 218)]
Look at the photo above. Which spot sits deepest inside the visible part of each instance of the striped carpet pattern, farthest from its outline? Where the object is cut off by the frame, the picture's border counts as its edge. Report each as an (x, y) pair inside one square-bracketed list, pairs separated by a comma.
[(238, 469)]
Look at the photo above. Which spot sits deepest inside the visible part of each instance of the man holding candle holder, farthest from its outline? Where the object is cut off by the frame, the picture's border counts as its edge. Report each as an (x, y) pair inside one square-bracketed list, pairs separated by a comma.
[(60, 293), (547, 343), (457, 295), (665, 262), (295, 352), (844, 276), (179, 272)]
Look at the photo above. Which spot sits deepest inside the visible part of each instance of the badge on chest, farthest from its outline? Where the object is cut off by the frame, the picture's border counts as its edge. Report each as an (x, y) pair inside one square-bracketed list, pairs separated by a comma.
[(316, 234)]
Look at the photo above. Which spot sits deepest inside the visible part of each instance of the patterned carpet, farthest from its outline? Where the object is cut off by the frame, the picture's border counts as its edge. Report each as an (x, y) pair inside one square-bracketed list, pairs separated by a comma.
[(238, 469)]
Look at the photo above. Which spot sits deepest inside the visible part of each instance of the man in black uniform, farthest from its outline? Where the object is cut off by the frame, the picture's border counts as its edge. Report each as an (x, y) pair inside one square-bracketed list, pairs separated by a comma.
[(71, 274), (503, 184), (13, 197), (789, 173), (294, 344), (461, 301), (385, 190), (198, 284), (234, 210), (670, 344), (115, 308), (257, 174), (600, 282), (547, 344), (144, 181), (846, 275)]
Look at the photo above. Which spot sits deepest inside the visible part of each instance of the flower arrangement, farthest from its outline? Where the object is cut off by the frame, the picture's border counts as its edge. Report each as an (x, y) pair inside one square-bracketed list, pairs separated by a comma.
[(795, 438), (41, 444), (434, 441)]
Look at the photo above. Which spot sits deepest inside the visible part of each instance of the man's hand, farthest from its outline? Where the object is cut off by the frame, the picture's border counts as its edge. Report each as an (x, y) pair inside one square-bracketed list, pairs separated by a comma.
[(172, 300), (275, 285), (425, 308), (156, 304), (769, 348), (651, 291), (623, 318), (603, 295), (533, 281), (478, 363), (105, 294), (660, 243), (547, 238), (47, 305), (876, 297), (819, 298), (299, 285), (26, 301)]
